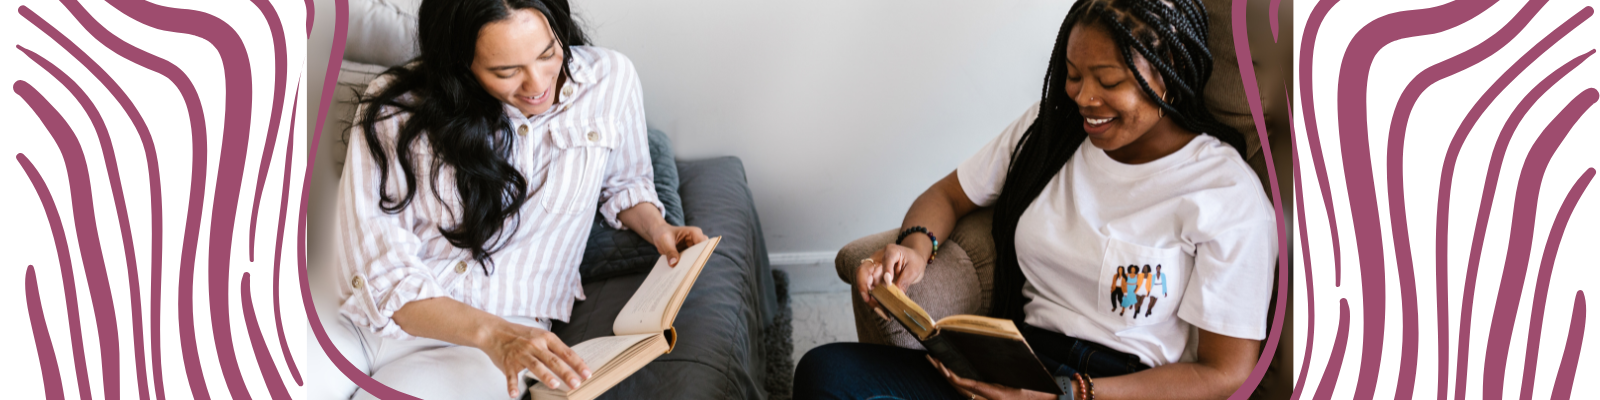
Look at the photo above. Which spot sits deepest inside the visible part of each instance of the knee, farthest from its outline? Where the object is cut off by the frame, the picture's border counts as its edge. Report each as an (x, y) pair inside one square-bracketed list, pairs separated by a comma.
[(823, 359), (830, 363)]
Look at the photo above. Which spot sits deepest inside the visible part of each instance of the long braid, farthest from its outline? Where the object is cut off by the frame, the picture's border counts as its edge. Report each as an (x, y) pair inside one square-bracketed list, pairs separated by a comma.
[(1047, 144), (1171, 36)]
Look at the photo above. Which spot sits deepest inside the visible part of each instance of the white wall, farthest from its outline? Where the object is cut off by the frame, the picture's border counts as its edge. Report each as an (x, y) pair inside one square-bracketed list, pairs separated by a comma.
[(842, 110)]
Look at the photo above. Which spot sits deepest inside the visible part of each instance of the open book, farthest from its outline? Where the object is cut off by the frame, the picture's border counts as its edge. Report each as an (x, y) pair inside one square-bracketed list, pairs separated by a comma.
[(643, 330), (975, 347)]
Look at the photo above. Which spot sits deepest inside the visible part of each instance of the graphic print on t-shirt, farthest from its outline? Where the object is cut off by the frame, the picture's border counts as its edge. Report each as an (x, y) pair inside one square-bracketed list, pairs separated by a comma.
[(1139, 282), (1138, 289)]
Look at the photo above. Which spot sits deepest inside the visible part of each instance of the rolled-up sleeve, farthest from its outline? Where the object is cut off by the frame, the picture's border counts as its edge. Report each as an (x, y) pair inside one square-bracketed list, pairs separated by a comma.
[(630, 179), (380, 266)]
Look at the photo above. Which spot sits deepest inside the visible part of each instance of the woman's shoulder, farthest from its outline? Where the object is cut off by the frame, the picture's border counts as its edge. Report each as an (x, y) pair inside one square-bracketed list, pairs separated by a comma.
[(387, 77), (1220, 168), (389, 117), (1210, 156), (601, 62), (1013, 133)]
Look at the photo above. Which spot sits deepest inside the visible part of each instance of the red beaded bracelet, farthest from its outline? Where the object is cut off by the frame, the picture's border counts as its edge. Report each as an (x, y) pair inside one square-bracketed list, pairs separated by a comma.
[(1089, 382)]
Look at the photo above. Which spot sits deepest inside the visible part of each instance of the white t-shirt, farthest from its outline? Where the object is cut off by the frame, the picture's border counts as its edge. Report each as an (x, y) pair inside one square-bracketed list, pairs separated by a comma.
[(1198, 216)]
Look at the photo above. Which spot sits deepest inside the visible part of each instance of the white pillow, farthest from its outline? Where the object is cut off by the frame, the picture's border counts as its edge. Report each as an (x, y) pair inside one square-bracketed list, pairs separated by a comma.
[(353, 79), (382, 32)]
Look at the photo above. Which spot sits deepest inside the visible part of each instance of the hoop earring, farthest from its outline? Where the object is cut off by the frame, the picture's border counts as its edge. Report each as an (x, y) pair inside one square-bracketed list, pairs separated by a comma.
[(1161, 111)]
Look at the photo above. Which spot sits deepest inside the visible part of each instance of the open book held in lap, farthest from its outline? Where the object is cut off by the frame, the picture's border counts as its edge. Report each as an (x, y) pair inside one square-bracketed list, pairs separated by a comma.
[(975, 347), (643, 329)]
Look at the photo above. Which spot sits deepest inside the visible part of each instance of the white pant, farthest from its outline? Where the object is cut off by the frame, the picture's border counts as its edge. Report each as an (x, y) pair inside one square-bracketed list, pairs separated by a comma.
[(425, 368)]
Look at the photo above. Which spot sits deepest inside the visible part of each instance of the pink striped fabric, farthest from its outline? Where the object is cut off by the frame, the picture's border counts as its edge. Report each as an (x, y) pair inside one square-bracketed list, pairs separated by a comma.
[(588, 152)]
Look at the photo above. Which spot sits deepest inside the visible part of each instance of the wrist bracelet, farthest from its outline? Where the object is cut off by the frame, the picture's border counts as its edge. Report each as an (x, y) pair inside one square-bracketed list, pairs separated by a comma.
[(920, 229), (1089, 383)]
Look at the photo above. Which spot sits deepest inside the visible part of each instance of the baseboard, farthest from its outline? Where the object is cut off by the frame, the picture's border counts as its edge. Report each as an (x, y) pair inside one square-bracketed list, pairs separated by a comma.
[(802, 258)]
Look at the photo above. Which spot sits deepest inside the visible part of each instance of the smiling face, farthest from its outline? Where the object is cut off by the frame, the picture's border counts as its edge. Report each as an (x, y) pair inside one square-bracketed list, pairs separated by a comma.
[(518, 61), (1115, 109)]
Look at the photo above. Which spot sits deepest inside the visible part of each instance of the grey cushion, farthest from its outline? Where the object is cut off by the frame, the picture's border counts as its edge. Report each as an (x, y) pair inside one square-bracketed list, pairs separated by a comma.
[(614, 252), (666, 171)]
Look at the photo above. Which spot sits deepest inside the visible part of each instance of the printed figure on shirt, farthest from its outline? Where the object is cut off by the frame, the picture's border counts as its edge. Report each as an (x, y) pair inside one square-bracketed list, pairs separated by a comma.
[(1149, 293), (1128, 297), (1116, 290)]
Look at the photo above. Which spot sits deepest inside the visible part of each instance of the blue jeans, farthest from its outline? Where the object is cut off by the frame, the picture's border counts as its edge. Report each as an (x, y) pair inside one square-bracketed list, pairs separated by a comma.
[(869, 371)]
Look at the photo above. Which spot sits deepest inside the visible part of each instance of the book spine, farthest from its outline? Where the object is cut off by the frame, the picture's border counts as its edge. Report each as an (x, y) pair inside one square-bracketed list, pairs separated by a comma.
[(951, 357)]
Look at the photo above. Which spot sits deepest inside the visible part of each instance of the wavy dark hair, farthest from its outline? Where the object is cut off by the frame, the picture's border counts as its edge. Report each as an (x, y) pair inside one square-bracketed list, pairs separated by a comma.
[(465, 127), (1171, 36)]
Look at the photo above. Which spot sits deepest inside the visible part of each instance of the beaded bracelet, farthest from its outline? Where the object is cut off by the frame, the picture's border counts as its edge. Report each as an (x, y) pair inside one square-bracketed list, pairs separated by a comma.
[(1088, 382), (919, 228)]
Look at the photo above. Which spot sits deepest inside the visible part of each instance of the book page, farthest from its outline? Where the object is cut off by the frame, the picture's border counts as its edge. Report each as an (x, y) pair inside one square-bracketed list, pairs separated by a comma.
[(599, 351), (662, 291), (996, 327)]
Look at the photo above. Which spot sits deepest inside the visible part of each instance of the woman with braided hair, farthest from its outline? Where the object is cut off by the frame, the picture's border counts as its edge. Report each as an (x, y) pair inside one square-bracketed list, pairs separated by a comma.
[(1120, 163)]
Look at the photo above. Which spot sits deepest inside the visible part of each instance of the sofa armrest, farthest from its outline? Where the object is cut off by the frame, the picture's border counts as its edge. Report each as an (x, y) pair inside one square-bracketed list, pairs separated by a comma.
[(972, 233)]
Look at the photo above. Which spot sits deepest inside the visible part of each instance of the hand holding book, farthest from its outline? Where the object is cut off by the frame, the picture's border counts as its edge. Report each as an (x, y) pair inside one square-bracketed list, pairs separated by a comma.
[(643, 329), (971, 347), (517, 349), (982, 390), (895, 264)]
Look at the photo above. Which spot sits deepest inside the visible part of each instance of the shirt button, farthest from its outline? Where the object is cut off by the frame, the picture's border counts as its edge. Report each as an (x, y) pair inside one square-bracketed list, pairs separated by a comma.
[(594, 136), (522, 130), (566, 91), (461, 267), (356, 282)]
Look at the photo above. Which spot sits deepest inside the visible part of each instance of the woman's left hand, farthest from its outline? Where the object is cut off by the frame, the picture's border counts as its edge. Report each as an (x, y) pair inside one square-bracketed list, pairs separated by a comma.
[(981, 390), (670, 240)]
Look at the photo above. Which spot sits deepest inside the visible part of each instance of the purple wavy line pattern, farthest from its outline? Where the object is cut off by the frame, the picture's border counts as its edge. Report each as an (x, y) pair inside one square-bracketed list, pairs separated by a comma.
[(1429, 105), (99, 87)]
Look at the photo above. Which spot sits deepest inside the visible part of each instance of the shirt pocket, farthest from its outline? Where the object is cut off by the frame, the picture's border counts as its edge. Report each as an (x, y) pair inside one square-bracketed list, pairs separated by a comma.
[(582, 153), (1131, 296)]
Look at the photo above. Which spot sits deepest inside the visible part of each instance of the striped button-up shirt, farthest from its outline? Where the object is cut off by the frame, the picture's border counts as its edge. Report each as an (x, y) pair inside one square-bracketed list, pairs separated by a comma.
[(588, 151)]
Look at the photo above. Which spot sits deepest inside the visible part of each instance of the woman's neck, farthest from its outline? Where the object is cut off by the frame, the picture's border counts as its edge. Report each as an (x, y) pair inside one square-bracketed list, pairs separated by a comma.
[(1163, 139)]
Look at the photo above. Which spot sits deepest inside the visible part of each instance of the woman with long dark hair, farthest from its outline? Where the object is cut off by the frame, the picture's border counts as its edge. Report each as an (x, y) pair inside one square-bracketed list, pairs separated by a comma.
[(1120, 163), (474, 174)]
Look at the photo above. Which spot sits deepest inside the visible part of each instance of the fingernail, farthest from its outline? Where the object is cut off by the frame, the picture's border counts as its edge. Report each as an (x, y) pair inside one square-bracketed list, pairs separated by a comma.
[(555, 384), (674, 261), (575, 383), (586, 373)]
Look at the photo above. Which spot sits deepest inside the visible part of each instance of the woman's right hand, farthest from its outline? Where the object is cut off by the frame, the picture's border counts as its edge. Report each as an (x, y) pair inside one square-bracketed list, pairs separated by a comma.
[(515, 347), (894, 264)]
